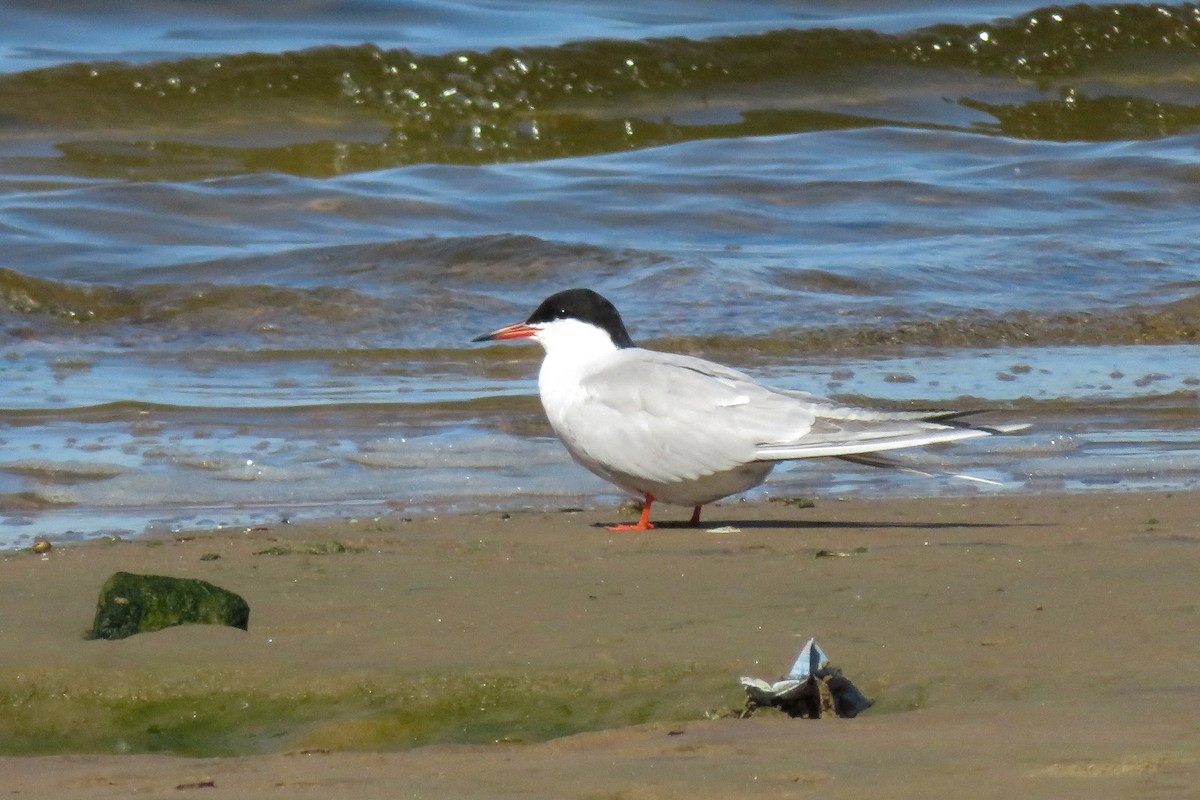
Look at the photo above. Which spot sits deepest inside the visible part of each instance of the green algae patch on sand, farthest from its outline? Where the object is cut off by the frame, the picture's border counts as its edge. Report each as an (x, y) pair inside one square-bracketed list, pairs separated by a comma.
[(201, 713), (131, 604), (523, 707), (226, 713)]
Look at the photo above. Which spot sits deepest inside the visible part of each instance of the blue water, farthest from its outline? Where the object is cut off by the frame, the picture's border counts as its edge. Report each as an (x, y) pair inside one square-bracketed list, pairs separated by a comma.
[(37, 36), (241, 288)]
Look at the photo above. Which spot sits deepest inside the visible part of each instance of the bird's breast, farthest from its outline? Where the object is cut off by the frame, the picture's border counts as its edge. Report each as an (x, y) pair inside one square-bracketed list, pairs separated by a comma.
[(563, 396)]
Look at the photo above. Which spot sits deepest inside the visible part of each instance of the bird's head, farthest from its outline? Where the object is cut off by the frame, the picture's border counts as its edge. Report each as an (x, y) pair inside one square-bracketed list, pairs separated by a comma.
[(574, 320)]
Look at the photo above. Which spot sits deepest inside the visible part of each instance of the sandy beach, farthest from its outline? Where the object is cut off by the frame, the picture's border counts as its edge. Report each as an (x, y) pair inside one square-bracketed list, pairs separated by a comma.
[(1016, 646)]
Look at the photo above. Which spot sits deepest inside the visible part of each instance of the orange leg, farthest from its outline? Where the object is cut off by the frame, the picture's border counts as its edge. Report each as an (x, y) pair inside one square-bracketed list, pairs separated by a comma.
[(643, 524)]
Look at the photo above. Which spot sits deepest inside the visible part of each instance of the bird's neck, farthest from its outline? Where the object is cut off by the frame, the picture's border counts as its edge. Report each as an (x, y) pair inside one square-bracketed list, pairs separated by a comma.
[(572, 364), (569, 361), (571, 341)]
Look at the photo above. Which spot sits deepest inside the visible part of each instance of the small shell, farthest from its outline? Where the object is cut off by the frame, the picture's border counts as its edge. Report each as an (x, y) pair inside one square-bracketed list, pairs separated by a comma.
[(41, 546)]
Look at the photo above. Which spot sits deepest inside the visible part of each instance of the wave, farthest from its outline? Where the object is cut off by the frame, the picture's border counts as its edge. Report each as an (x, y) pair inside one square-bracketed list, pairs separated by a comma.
[(342, 109), (218, 307), (308, 296), (1174, 323), (298, 317)]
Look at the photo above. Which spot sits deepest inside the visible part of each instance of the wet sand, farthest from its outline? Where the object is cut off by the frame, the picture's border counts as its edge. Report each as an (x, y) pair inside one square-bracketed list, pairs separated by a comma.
[(1016, 646)]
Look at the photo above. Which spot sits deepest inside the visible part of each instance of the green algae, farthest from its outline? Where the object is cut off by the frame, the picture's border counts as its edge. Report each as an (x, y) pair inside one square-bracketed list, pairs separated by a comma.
[(131, 604), (211, 714)]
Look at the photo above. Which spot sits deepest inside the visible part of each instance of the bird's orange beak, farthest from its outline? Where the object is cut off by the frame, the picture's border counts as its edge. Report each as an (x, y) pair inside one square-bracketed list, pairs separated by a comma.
[(518, 330)]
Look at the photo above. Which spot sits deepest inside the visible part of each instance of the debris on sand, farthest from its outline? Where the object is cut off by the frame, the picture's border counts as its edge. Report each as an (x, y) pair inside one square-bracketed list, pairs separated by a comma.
[(812, 689)]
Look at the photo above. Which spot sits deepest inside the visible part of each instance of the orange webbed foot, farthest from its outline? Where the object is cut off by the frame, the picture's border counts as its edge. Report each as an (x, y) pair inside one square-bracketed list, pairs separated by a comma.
[(637, 526), (643, 524)]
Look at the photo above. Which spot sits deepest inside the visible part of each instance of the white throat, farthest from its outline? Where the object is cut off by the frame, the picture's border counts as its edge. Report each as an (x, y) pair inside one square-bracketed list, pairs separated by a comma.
[(574, 340), (574, 350)]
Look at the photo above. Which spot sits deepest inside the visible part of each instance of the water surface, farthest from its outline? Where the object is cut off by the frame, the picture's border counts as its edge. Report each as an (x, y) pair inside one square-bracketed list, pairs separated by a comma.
[(244, 249)]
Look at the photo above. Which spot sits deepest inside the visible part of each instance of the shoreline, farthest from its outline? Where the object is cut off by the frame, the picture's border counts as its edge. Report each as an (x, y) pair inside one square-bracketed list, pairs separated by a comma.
[(1031, 641)]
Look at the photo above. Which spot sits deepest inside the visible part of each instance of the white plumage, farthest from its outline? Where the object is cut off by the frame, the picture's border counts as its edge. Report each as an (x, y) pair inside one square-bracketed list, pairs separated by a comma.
[(684, 430)]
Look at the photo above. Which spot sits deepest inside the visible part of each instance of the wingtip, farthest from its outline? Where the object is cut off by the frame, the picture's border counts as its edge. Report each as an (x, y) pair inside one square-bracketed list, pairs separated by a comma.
[(1004, 429)]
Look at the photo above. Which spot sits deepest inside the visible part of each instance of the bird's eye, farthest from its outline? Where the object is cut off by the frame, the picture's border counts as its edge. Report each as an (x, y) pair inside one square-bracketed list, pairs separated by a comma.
[(561, 313)]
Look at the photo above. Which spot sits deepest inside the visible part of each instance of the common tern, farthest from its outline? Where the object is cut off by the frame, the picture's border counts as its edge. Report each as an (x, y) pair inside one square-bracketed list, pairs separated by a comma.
[(686, 431)]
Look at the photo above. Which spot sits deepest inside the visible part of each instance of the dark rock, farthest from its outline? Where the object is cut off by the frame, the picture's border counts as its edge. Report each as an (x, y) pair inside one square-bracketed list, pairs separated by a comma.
[(826, 693), (130, 604)]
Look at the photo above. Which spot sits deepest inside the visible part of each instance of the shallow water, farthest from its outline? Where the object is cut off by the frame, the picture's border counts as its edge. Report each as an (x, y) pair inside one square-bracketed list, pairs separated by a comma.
[(244, 252)]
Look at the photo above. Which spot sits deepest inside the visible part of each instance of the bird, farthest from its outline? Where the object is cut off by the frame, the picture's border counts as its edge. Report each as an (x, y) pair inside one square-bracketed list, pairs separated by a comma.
[(681, 430)]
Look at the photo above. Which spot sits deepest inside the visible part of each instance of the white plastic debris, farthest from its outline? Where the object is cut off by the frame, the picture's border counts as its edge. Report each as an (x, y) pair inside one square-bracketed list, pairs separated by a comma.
[(811, 689)]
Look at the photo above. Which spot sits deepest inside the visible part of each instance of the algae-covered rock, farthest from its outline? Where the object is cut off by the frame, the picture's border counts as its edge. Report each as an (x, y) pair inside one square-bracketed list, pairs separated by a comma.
[(132, 604)]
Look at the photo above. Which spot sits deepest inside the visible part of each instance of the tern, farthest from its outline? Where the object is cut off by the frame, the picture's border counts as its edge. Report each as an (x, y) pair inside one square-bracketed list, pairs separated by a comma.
[(685, 431)]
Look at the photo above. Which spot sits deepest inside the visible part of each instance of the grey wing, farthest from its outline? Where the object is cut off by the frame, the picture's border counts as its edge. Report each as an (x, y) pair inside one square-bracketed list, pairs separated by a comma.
[(667, 417)]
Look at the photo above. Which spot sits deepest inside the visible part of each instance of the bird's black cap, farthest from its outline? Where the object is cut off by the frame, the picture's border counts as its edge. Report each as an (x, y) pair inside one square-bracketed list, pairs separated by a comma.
[(585, 306)]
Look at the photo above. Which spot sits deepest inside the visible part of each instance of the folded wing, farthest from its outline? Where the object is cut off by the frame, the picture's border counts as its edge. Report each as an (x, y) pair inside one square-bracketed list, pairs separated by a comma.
[(670, 417)]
